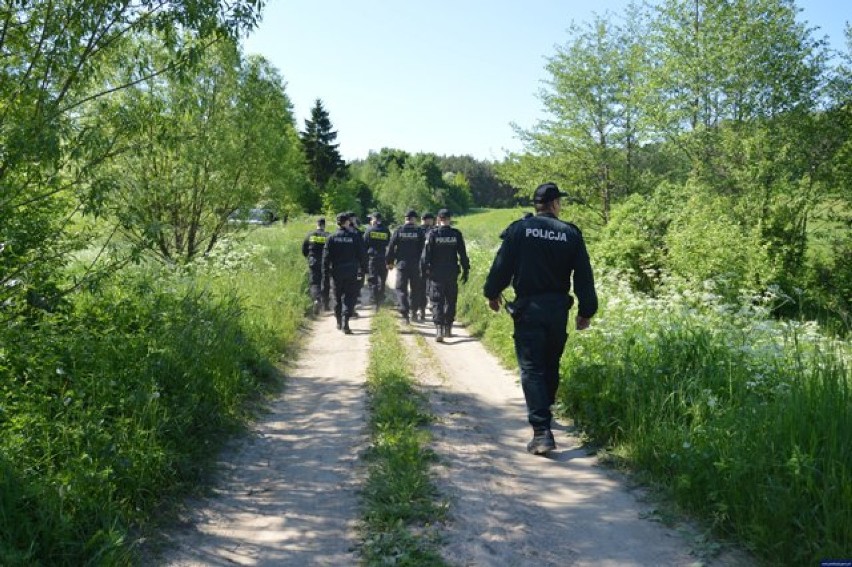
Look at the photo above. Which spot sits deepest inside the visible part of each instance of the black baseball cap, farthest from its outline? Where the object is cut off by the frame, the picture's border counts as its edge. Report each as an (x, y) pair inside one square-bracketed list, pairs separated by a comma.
[(411, 214), (444, 214), (547, 192), (428, 216), (321, 220), (342, 218), (376, 215)]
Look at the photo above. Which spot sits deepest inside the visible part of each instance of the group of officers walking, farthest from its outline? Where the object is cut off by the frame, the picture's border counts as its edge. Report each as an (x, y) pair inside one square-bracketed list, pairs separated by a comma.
[(429, 260), (539, 256)]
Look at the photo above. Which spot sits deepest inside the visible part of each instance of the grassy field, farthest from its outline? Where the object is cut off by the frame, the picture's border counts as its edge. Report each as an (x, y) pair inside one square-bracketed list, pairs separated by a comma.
[(742, 418)]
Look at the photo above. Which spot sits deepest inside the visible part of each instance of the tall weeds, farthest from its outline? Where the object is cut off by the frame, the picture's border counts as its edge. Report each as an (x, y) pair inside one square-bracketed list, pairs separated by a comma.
[(115, 404), (745, 418)]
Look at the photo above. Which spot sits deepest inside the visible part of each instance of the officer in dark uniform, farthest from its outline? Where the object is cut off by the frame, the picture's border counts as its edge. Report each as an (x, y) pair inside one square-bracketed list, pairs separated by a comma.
[(342, 260), (358, 231), (376, 239), (443, 252), (539, 256), (418, 302), (312, 248), (404, 250)]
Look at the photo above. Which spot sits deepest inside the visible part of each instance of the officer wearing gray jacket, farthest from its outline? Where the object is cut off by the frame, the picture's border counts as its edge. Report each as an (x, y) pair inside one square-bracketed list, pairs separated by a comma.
[(540, 256)]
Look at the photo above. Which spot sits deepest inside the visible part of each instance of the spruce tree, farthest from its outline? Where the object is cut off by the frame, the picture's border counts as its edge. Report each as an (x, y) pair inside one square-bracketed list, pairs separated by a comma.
[(324, 161)]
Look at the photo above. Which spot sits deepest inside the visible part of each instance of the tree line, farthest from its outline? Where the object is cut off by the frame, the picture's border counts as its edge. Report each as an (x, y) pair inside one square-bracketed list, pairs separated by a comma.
[(137, 130), (705, 138)]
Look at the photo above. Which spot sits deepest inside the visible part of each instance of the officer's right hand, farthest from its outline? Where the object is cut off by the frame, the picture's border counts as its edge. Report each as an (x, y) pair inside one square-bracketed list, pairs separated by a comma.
[(583, 323), (494, 304)]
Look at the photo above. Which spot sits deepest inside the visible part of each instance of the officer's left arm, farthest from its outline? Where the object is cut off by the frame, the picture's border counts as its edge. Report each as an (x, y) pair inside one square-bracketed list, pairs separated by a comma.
[(465, 261), (584, 283), (390, 252)]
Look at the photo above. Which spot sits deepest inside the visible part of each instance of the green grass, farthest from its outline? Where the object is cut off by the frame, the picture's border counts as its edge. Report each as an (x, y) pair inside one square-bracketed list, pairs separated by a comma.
[(400, 505), (744, 419), (113, 408)]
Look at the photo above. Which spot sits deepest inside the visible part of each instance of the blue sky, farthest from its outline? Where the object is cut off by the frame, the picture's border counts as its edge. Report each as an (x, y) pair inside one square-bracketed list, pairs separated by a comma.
[(443, 76)]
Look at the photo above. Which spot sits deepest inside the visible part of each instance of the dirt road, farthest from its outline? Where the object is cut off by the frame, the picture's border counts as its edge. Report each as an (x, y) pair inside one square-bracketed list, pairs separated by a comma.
[(290, 493)]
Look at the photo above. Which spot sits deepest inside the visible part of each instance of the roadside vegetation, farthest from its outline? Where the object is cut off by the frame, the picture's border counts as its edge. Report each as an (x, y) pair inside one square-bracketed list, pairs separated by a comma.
[(135, 324), (401, 504), (114, 406), (741, 416)]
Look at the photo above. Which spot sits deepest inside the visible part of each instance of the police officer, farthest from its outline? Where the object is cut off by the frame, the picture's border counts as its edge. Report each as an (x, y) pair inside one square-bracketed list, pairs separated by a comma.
[(404, 250), (418, 302), (342, 260), (443, 252), (312, 248), (539, 256), (358, 231), (376, 239)]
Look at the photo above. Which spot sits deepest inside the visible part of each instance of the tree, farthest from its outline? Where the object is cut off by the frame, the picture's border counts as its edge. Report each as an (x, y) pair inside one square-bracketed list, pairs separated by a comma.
[(727, 62), (324, 161), (201, 145), (486, 190), (53, 53), (587, 142)]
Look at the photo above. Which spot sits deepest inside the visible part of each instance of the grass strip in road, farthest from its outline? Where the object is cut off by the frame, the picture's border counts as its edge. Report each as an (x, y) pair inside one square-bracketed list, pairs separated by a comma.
[(400, 501)]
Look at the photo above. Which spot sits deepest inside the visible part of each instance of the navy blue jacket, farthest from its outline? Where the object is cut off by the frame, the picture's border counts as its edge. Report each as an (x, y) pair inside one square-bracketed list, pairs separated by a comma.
[(343, 256), (376, 239), (442, 254), (539, 255), (405, 247)]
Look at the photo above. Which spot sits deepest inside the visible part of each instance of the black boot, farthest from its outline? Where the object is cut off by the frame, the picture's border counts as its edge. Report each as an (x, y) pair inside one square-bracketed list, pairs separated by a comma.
[(346, 328), (439, 333), (339, 322), (448, 330), (316, 307), (542, 442)]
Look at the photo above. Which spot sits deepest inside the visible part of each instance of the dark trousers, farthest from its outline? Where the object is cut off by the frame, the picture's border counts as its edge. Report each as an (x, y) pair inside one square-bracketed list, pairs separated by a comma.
[(377, 275), (540, 335), (317, 288), (444, 296), (408, 284), (418, 301), (346, 292)]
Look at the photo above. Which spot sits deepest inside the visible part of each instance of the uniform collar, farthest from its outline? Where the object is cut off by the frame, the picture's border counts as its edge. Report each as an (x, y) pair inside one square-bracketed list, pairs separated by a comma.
[(548, 215)]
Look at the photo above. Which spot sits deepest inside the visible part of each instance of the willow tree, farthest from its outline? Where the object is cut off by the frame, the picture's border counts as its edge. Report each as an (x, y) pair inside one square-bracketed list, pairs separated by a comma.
[(587, 141), (52, 57), (199, 145)]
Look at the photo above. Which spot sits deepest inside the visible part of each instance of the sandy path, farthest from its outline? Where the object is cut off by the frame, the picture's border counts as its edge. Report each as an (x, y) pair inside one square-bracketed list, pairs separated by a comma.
[(510, 508), (288, 494)]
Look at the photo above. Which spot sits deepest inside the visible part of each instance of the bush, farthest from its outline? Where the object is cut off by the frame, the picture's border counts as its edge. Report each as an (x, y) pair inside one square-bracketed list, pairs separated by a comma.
[(115, 406)]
